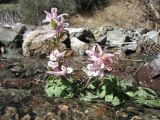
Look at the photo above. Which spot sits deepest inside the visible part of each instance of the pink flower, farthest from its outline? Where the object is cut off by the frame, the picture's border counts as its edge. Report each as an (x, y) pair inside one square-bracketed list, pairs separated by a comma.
[(53, 16), (57, 22), (95, 69), (52, 64), (63, 71), (56, 69), (100, 61), (105, 58), (58, 72)]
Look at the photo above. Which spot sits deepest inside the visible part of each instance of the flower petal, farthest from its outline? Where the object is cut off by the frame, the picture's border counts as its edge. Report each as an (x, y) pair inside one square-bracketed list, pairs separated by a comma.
[(52, 64), (69, 70), (99, 49)]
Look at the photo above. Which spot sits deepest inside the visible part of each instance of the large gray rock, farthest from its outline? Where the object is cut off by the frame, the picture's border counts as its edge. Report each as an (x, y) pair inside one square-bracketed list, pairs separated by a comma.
[(78, 46), (116, 38), (83, 34), (36, 43), (154, 35), (102, 31), (7, 36)]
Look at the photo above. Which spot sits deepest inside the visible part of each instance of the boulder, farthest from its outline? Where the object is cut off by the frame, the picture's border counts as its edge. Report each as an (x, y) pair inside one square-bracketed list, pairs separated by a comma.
[(154, 35), (149, 75), (83, 34), (7, 36), (116, 38), (78, 46), (36, 43), (102, 31)]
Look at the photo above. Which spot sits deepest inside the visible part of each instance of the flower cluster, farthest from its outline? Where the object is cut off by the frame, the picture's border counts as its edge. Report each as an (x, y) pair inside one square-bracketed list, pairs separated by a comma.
[(57, 22), (55, 64), (100, 61)]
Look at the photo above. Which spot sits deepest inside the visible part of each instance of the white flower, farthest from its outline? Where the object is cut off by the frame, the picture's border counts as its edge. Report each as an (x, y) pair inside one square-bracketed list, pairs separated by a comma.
[(52, 64), (69, 70)]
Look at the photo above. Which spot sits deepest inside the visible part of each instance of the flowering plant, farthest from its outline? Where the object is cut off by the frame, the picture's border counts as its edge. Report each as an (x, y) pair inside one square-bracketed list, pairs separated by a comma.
[(58, 24), (111, 89)]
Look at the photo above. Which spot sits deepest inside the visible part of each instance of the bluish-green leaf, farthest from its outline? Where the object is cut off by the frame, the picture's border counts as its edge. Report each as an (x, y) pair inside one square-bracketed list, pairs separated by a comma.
[(109, 98), (131, 94), (49, 91), (102, 94), (115, 101)]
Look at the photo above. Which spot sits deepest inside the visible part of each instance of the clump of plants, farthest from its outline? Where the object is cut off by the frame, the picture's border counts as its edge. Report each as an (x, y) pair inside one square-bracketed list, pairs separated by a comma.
[(99, 86)]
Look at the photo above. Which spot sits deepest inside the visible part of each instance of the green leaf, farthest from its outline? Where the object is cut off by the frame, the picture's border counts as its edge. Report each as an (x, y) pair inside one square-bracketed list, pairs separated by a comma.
[(140, 100), (104, 87), (62, 87), (151, 91), (153, 103), (91, 86), (57, 91), (53, 23), (102, 94), (109, 98), (49, 91), (115, 101), (141, 93), (131, 94)]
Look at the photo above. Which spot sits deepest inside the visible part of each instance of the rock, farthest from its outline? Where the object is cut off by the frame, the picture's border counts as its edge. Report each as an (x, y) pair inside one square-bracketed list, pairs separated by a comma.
[(102, 31), (97, 112), (130, 48), (74, 30), (12, 36), (102, 40), (149, 75), (26, 117), (83, 34), (142, 31), (78, 46), (17, 70), (2, 48), (37, 43), (7, 36), (116, 38), (10, 112), (6, 74), (154, 35)]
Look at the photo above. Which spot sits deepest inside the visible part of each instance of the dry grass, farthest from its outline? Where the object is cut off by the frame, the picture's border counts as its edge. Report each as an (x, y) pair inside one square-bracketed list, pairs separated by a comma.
[(127, 14)]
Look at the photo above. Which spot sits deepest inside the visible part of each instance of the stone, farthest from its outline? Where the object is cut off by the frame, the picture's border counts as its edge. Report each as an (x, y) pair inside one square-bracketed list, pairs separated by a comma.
[(116, 38), (12, 36), (154, 35), (2, 48), (37, 43), (102, 31), (10, 112), (83, 34), (7, 36), (149, 75), (102, 40), (142, 31), (130, 47), (78, 46)]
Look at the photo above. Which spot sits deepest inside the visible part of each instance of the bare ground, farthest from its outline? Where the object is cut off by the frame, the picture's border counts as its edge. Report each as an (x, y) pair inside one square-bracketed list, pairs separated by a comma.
[(128, 14)]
